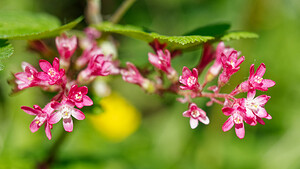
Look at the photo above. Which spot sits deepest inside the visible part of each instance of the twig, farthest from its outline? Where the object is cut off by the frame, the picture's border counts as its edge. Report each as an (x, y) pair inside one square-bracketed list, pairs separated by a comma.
[(121, 11), (93, 11), (53, 152)]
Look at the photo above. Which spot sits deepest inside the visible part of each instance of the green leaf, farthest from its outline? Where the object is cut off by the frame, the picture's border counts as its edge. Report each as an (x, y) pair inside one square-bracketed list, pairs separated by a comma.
[(238, 35), (215, 30), (26, 25), (174, 42), (6, 50)]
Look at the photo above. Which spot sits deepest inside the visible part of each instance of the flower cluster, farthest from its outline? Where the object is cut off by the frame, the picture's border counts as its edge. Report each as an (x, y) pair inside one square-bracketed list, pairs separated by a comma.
[(250, 110), (68, 73), (59, 77)]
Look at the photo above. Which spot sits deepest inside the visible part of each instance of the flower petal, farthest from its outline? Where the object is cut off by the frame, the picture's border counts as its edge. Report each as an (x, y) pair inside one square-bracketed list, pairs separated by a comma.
[(43, 76), (34, 126), (56, 63), (186, 72), (87, 101), (55, 117), (261, 70), (262, 99), (186, 114), (227, 110), (240, 130), (29, 110), (267, 83), (48, 130), (204, 120), (193, 123), (251, 94), (228, 124), (262, 113), (251, 71), (45, 65), (77, 114), (68, 124)]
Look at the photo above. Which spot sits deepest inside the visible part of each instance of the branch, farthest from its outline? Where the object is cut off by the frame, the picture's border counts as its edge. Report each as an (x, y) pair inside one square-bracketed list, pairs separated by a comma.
[(121, 11)]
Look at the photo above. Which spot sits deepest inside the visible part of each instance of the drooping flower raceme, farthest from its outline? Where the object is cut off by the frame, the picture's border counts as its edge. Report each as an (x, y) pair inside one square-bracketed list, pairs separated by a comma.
[(196, 114)]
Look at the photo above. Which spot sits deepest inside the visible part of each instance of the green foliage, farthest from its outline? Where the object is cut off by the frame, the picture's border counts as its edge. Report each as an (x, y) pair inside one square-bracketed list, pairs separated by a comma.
[(215, 30), (26, 25), (188, 41), (6, 50), (238, 35), (174, 42)]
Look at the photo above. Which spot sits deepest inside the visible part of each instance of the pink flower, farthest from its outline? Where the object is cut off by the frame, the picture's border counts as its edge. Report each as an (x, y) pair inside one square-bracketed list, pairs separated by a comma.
[(256, 106), (65, 110), (132, 75), (66, 46), (162, 61), (87, 54), (52, 74), (237, 117), (214, 70), (79, 97), (256, 81), (231, 64), (196, 114), (42, 116), (189, 79), (28, 78), (99, 65)]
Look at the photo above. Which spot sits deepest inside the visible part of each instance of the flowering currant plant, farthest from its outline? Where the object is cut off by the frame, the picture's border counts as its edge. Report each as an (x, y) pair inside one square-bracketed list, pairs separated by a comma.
[(82, 57)]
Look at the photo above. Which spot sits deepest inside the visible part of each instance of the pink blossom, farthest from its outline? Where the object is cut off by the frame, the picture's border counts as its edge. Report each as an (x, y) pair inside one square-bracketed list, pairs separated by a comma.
[(256, 81), (79, 97), (99, 65), (28, 78), (42, 116), (256, 106), (87, 54), (196, 114), (132, 75), (189, 79), (66, 46), (231, 64), (162, 61), (65, 110), (52, 74), (214, 70), (237, 117)]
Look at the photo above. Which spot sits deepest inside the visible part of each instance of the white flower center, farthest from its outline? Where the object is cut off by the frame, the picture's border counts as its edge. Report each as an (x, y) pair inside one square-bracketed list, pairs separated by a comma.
[(30, 78), (66, 111), (258, 79), (191, 81), (52, 72), (78, 96), (250, 104), (195, 113), (237, 118), (232, 63)]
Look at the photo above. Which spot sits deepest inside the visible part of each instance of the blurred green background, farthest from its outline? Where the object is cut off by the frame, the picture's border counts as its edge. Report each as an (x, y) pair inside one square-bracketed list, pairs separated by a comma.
[(164, 138)]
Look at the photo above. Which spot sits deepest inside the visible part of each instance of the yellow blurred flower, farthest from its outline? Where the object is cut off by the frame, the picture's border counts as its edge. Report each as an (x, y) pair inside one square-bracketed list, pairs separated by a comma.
[(119, 119)]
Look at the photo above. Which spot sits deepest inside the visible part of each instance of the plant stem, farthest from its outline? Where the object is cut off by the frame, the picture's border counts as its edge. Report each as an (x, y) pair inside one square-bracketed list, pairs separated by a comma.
[(121, 11), (53, 152), (93, 11)]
